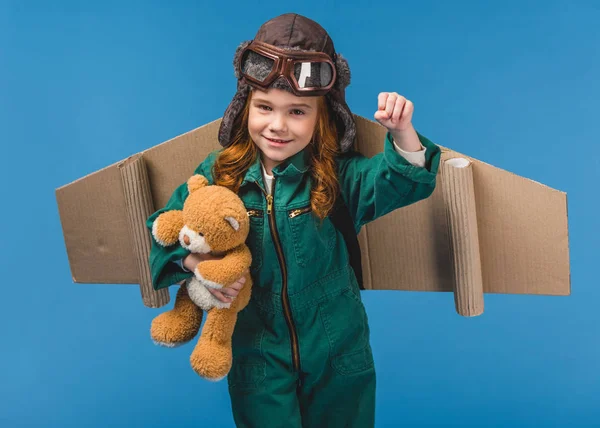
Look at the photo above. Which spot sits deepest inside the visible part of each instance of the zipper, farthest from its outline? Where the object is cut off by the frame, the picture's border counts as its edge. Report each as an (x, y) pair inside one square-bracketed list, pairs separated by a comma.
[(284, 296), (254, 213), (297, 212)]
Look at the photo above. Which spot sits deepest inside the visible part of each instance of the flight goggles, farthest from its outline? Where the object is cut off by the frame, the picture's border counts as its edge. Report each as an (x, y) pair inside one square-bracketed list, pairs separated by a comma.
[(308, 73)]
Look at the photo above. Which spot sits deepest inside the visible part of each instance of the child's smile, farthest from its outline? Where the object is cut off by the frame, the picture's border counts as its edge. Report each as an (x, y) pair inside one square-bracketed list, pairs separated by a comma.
[(278, 142)]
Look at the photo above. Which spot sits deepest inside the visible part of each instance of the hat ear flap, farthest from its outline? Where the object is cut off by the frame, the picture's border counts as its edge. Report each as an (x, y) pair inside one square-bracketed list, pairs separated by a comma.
[(344, 119), (236, 57), (343, 71), (234, 109)]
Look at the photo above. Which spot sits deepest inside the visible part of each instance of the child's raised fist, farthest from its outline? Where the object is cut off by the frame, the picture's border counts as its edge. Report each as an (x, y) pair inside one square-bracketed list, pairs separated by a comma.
[(394, 112)]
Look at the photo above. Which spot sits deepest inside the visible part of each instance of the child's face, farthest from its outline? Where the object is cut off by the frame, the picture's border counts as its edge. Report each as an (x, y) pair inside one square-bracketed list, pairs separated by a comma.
[(278, 114)]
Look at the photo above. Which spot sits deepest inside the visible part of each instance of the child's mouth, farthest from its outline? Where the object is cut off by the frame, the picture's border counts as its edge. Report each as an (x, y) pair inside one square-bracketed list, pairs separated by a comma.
[(278, 141)]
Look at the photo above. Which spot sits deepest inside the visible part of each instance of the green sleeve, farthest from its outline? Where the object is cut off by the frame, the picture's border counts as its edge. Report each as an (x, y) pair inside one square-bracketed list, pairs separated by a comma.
[(373, 187), (162, 269)]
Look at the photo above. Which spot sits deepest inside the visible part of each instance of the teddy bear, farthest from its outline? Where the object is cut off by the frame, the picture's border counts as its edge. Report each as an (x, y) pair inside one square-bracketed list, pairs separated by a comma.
[(213, 220)]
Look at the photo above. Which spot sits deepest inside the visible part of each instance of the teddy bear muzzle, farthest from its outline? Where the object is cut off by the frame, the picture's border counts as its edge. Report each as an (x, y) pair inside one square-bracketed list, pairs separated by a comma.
[(193, 241)]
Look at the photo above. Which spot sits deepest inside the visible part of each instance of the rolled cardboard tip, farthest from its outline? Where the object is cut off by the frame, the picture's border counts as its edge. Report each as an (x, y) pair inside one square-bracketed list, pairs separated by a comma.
[(459, 202), (139, 206)]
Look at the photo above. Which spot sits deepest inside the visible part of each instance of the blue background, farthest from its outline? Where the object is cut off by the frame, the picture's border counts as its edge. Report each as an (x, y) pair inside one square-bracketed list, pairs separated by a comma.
[(83, 85)]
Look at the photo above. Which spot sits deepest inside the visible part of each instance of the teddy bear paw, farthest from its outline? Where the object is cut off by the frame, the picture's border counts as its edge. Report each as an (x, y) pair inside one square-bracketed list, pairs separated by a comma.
[(212, 362), (172, 329)]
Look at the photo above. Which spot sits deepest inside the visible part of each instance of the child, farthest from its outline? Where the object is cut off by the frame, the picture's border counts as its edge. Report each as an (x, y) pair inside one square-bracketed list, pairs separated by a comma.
[(301, 351)]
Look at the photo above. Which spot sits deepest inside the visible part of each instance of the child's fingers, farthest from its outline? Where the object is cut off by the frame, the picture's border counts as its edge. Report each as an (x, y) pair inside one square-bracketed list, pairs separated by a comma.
[(409, 108), (217, 294), (227, 294), (394, 110), (382, 100), (224, 295), (230, 291), (399, 106), (381, 115), (239, 284), (390, 103)]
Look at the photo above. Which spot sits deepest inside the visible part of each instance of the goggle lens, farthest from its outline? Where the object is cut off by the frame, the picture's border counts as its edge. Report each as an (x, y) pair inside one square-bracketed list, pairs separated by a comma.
[(313, 74)]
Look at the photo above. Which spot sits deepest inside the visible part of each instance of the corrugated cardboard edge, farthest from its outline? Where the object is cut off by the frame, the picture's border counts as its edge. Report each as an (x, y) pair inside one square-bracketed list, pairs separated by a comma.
[(139, 206), (461, 216)]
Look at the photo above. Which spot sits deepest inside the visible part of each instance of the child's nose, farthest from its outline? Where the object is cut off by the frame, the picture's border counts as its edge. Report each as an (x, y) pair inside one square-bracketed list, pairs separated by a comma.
[(278, 123)]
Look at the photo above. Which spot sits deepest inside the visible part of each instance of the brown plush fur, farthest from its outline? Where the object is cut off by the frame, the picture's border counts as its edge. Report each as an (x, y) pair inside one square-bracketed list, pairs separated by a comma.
[(212, 355), (226, 270), (168, 228), (179, 325), (205, 211), (196, 182)]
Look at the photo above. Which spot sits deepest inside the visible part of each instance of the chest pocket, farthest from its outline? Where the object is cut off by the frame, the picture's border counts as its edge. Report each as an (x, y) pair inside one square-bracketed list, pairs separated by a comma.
[(312, 237), (255, 237)]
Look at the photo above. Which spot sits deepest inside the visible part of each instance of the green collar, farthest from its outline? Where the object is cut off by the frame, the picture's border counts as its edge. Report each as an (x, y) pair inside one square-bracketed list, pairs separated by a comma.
[(296, 165)]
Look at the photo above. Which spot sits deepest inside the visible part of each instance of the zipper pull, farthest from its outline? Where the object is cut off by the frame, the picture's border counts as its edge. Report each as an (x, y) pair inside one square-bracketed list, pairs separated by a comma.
[(269, 204)]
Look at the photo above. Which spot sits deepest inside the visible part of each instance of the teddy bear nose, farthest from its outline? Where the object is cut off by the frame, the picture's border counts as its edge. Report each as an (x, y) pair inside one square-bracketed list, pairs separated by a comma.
[(186, 239)]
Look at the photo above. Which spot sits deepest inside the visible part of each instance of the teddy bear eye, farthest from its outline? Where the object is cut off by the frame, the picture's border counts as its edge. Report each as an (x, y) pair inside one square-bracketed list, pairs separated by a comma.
[(200, 234)]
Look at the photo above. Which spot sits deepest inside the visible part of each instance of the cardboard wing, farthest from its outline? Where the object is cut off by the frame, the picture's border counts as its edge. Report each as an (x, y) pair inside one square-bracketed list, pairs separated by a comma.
[(483, 230)]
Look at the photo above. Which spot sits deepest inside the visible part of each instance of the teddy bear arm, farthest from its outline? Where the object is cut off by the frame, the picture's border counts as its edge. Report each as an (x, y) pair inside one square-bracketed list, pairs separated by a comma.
[(241, 257), (228, 269), (167, 226)]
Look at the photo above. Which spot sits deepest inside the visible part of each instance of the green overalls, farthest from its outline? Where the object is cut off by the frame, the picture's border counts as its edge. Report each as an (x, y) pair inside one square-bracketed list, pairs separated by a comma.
[(301, 351)]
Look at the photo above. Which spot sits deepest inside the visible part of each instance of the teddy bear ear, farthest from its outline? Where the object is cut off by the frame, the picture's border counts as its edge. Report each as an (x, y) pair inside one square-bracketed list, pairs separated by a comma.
[(233, 222), (196, 182)]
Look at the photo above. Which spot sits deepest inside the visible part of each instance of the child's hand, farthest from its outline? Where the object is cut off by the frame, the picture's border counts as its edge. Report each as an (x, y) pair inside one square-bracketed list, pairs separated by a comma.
[(394, 112), (225, 294)]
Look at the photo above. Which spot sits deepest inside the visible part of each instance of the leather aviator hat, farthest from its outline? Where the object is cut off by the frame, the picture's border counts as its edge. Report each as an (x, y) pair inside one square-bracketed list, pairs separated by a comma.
[(293, 53)]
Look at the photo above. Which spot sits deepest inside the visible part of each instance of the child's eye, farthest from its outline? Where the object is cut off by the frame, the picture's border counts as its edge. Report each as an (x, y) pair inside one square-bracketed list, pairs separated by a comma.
[(298, 112), (264, 107)]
